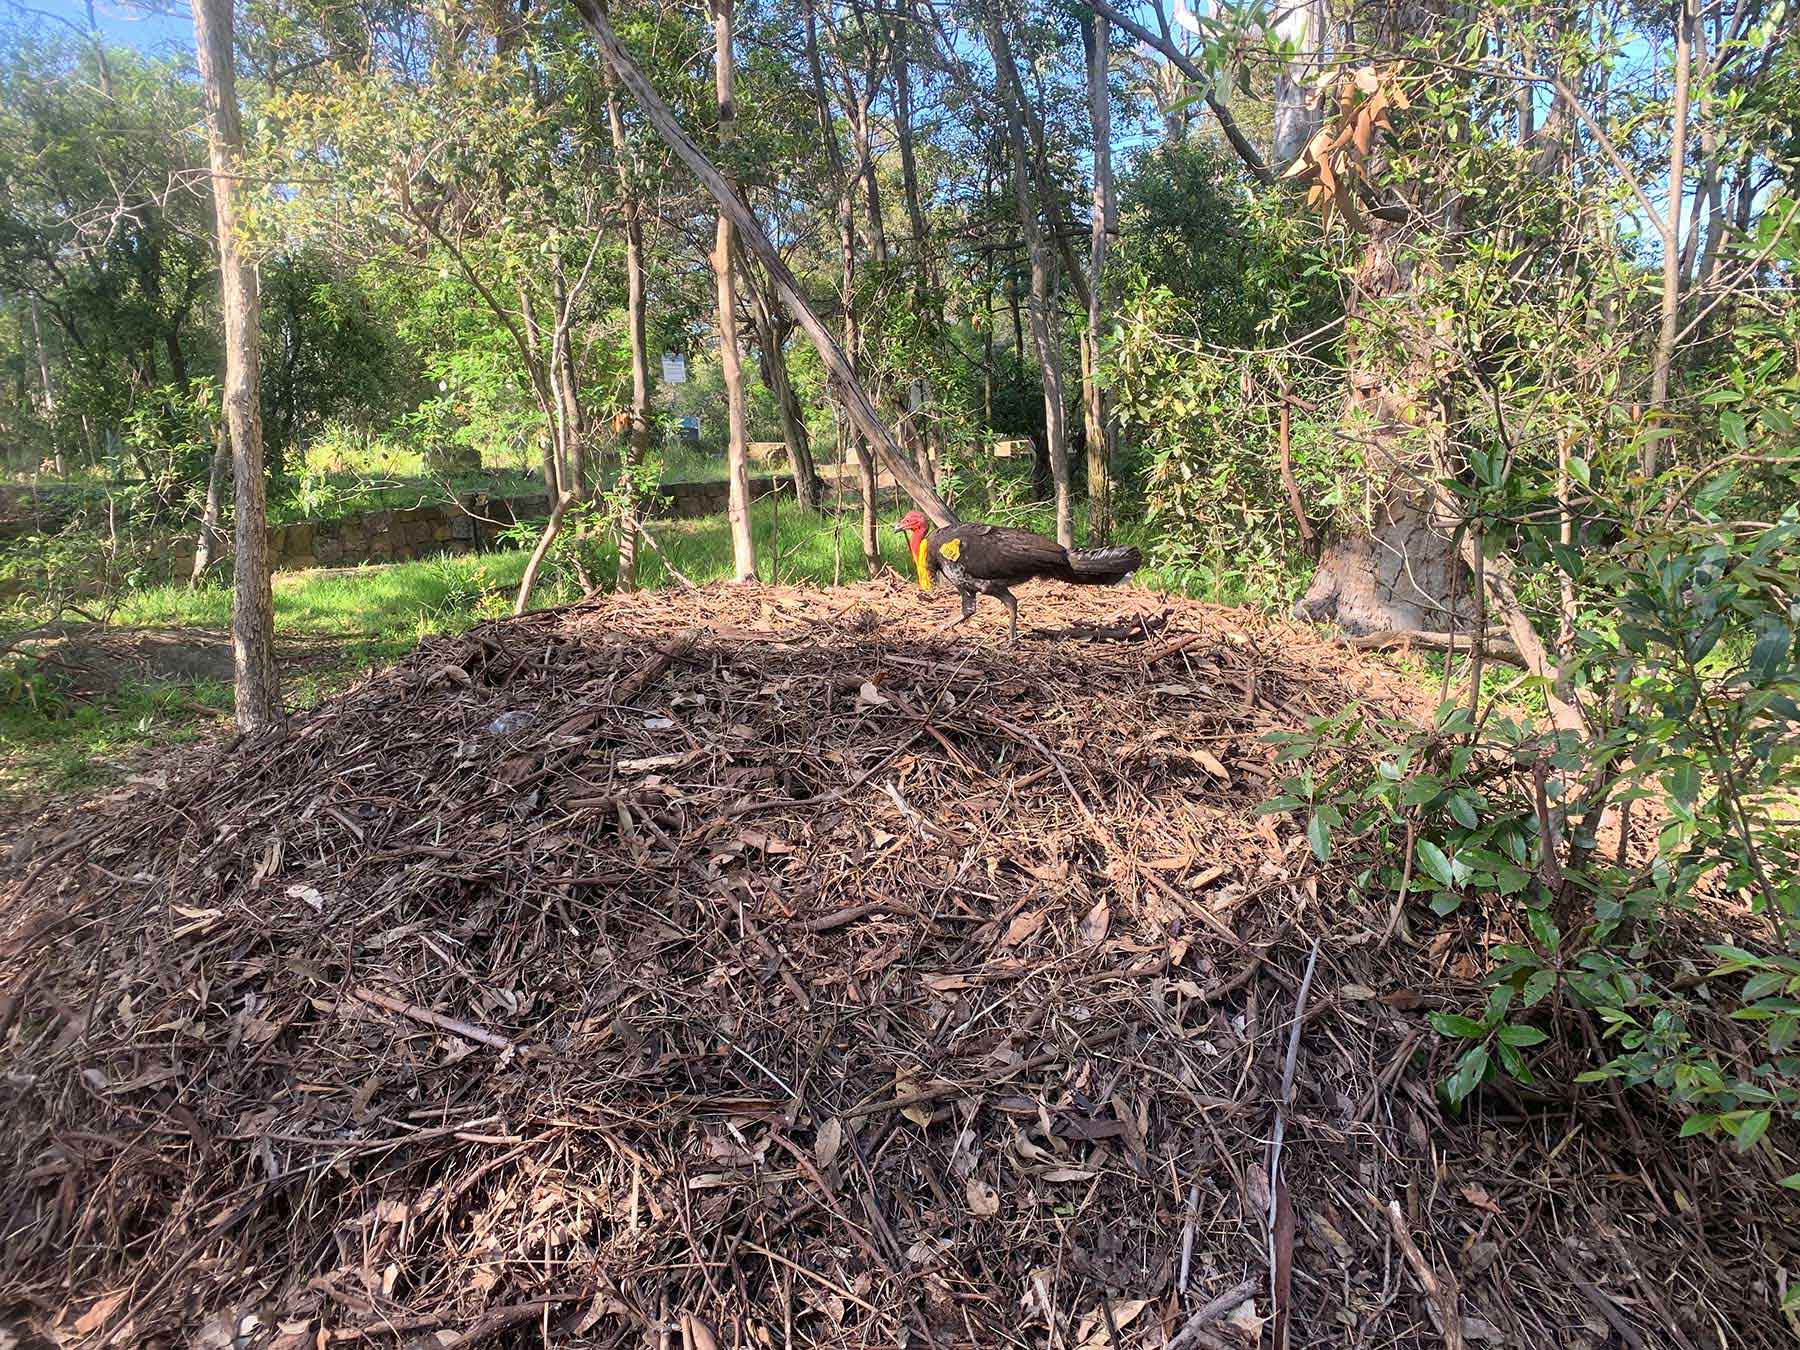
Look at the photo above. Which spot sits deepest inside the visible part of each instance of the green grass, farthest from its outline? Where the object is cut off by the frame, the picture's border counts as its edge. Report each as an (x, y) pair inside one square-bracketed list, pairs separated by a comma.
[(335, 625)]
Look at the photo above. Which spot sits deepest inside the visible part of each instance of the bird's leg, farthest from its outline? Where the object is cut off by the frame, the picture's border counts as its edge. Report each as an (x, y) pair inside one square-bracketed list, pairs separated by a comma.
[(1011, 602), (968, 610)]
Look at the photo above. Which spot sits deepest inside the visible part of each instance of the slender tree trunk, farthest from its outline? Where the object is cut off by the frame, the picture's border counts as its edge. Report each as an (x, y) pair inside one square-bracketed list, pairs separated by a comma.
[(772, 363), (638, 446), (923, 272), (737, 452), (1101, 429), (1042, 332), (856, 399), (852, 437), (211, 542), (547, 448), (43, 364), (258, 693), (1664, 360)]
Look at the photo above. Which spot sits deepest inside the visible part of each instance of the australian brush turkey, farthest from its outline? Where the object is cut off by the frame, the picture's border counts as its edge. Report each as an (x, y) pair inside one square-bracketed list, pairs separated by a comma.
[(991, 559)]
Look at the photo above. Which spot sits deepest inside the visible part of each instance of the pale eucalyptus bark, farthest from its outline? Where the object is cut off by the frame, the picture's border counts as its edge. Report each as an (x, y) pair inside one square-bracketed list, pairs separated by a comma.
[(1101, 427), (637, 448), (258, 688), (737, 450), (210, 546)]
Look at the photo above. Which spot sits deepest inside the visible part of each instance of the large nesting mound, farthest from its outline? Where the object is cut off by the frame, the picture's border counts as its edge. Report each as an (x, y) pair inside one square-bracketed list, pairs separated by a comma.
[(766, 968)]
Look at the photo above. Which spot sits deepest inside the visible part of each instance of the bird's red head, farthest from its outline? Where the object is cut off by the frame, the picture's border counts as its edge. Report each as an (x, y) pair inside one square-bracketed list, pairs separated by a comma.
[(915, 527)]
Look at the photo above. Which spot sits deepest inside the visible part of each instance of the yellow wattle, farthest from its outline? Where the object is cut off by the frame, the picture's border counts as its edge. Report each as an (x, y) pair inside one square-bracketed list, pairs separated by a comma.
[(919, 562)]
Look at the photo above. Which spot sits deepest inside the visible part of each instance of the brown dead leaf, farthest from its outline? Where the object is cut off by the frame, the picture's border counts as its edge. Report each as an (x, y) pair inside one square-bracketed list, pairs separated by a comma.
[(99, 1314), (1403, 1000), (984, 1200), (1023, 928), (1478, 1197), (830, 1140), (1099, 920)]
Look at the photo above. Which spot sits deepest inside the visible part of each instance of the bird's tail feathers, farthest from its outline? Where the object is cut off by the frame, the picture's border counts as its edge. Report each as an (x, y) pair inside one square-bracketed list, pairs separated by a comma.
[(1103, 566)]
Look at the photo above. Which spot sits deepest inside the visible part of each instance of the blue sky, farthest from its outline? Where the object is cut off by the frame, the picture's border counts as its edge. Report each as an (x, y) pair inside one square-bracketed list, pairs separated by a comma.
[(159, 29)]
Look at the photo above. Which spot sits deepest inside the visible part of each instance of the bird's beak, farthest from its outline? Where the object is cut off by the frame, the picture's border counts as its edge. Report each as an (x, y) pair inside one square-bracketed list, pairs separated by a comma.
[(897, 528)]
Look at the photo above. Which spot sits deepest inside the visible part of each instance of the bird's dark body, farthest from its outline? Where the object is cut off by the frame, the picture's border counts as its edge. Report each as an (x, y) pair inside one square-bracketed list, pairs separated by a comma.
[(991, 559)]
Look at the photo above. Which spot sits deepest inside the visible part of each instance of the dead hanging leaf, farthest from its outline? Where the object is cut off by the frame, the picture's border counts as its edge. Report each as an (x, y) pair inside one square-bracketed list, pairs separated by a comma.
[(984, 1200), (1098, 921), (1367, 81), (1022, 929), (830, 1140)]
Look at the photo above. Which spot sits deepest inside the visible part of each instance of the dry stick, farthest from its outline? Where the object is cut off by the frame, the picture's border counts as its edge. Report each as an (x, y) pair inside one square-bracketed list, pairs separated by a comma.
[(1440, 1290), (856, 401), (654, 669), (438, 1020), (1281, 1107), (634, 523), (1602, 1304), (1193, 1332)]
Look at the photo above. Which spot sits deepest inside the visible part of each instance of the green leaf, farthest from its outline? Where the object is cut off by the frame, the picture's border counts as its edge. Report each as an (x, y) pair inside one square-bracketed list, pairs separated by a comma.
[(1537, 985), (1463, 811), (1444, 903), (1433, 860), (1455, 1024), (1318, 834), (1732, 424), (1770, 654), (1470, 1070), (1793, 1184), (1522, 1036), (1544, 929), (1698, 1124), (1751, 1130), (1578, 469)]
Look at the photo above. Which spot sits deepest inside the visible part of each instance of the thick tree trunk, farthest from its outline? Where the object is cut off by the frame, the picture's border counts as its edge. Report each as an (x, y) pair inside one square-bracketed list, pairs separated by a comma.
[(258, 693), (210, 546), (638, 445), (737, 450), (1043, 334), (1101, 428)]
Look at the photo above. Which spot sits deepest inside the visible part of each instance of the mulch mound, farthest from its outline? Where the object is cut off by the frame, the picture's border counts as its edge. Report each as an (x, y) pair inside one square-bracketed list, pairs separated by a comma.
[(765, 967)]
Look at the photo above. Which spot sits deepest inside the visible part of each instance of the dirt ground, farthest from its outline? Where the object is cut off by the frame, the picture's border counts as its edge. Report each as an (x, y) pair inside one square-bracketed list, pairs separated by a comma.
[(771, 967)]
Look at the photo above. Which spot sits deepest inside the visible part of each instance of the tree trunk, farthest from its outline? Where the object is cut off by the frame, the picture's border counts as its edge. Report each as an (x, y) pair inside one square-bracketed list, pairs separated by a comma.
[(43, 364), (1043, 334), (1101, 429), (1296, 114), (772, 364), (855, 397), (211, 543), (258, 692), (638, 446), (547, 398), (737, 451), (1670, 225)]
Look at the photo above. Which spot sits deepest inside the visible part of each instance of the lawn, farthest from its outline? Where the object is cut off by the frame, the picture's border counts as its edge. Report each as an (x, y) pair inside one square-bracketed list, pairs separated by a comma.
[(337, 623)]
